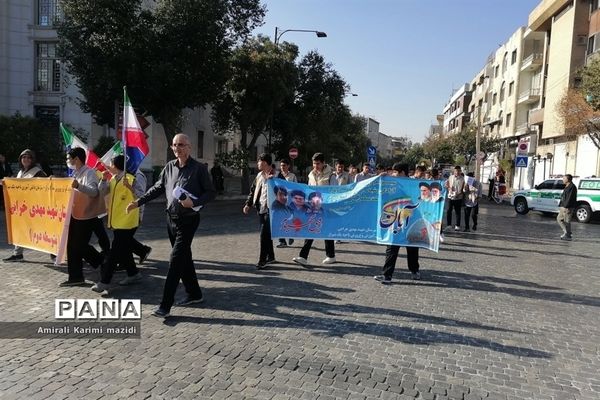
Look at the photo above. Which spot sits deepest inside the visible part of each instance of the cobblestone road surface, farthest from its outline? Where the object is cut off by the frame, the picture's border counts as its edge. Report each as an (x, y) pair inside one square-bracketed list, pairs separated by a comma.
[(507, 312)]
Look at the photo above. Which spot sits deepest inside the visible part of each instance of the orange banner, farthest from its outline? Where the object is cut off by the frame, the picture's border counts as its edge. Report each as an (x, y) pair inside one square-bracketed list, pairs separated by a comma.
[(38, 211)]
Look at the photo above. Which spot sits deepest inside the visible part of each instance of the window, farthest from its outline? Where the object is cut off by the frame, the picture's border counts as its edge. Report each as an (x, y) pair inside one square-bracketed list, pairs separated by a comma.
[(48, 116), (222, 146), (513, 57), (494, 98), (511, 88), (508, 118), (504, 62), (48, 12), (496, 70), (200, 153), (502, 91), (591, 44), (47, 68)]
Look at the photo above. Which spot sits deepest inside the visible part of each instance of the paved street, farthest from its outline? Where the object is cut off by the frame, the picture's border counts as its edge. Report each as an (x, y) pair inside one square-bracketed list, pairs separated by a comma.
[(508, 312)]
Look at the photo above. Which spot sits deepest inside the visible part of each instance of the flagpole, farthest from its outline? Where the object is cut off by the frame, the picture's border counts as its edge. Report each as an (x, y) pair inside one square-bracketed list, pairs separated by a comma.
[(124, 126)]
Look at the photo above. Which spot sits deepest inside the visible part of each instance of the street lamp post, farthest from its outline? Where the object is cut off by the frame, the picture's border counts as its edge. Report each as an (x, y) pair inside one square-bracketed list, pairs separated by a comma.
[(278, 36)]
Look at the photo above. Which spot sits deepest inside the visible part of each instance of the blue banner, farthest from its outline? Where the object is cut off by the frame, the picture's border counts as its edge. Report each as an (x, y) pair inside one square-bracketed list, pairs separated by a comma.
[(384, 210)]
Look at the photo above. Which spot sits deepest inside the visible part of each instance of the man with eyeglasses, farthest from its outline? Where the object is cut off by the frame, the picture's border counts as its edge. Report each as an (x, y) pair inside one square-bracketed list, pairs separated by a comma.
[(189, 179)]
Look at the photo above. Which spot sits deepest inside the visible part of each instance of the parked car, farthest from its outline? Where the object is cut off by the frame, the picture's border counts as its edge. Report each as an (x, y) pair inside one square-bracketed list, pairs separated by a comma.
[(546, 196)]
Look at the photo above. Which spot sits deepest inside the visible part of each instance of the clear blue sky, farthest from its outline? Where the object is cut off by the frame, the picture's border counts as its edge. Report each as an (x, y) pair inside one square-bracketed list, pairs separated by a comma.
[(402, 57)]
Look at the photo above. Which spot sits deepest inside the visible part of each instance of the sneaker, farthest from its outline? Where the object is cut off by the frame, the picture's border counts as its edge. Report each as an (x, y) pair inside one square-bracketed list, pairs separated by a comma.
[(383, 279), (416, 276), (566, 237), (147, 251), (14, 257), (282, 245), (329, 260), (261, 265), (190, 300), (270, 261), (442, 237), (466, 230), (474, 227), (131, 279), (52, 257), (100, 287), (338, 242), (291, 242), (75, 282), (456, 228), (161, 313), (300, 260)]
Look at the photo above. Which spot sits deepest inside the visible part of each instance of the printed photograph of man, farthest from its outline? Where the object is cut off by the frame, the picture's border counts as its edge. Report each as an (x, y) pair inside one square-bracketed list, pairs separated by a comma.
[(425, 190), (298, 202), (436, 192), (316, 201), (281, 199)]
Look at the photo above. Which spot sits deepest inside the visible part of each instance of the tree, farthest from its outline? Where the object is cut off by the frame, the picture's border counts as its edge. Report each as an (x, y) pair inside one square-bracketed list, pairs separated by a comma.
[(579, 116), (170, 56), (18, 132), (464, 143), (316, 118), (438, 149), (261, 77)]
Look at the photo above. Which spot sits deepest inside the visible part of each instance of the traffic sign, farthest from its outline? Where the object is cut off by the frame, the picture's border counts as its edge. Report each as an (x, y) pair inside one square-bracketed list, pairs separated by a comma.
[(372, 151), (293, 153), (371, 160), (521, 162), (523, 147)]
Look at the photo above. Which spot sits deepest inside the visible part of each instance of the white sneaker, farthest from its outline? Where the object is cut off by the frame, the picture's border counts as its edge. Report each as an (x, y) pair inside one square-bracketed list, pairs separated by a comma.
[(442, 238), (131, 279), (100, 287), (329, 260), (456, 228), (300, 260)]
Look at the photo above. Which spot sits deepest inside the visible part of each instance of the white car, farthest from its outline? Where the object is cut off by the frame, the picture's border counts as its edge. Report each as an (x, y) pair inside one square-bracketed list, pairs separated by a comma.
[(546, 196)]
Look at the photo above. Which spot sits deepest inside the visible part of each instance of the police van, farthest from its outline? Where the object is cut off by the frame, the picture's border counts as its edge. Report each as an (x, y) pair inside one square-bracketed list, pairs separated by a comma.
[(546, 196)]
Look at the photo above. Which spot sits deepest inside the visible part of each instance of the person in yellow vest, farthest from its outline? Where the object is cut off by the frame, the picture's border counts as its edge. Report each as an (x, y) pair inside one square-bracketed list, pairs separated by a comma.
[(120, 191)]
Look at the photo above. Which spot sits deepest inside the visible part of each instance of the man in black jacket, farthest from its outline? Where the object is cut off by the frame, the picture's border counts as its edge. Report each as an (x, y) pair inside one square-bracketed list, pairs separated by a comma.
[(566, 207)]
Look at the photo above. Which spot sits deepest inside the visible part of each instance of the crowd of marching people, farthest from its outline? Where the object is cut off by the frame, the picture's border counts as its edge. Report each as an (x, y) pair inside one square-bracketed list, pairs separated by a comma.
[(186, 183)]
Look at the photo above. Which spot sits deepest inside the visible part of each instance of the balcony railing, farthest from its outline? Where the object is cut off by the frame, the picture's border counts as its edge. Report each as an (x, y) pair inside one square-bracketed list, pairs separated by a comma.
[(533, 61), (529, 96), (536, 116), (523, 128)]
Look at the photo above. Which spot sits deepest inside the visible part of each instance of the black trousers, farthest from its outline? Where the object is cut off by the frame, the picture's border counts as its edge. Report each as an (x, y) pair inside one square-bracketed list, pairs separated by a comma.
[(120, 253), (454, 205), (181, 266), (329, 248), (137, 248), (266, 243), (100, 232), (391, 255), (471, 212), (79, 247)]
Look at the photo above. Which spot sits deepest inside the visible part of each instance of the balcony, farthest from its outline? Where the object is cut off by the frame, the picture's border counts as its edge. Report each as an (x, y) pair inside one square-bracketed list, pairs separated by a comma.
[(533, 62), (523, 129), (529, 96), (536, 117)]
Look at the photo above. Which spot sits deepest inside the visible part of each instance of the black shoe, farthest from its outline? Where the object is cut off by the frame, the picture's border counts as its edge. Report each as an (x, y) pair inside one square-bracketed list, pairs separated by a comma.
[(466, 230), (147, 251), (261, 265), (416, 276), (383, 279), (75, 282), (475, 227), (190, 300), (282, 245), (52, 257), (14, 257), (161, 313), (270, 261), (291, 242)]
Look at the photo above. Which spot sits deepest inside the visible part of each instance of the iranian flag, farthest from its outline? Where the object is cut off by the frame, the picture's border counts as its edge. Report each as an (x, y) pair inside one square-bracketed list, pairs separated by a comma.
[(115, 150), (91, 159), (133, 137)]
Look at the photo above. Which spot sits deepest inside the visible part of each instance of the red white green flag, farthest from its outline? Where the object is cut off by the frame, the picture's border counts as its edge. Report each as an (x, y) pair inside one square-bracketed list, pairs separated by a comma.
[(72, 141), (134, 138)]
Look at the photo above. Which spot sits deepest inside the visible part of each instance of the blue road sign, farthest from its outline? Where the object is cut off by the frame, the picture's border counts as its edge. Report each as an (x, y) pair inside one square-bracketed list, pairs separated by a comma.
[(521, 162), (371, 160), (371, 151)]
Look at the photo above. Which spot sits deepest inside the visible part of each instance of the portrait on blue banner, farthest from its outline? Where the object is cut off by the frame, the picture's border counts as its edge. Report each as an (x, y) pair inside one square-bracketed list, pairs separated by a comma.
[(384, 210)]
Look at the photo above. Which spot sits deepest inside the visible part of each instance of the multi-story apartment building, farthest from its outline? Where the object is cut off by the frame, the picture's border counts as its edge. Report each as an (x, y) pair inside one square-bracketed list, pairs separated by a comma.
[(456, 112), (381, 141), (33, 82), (569, 28)]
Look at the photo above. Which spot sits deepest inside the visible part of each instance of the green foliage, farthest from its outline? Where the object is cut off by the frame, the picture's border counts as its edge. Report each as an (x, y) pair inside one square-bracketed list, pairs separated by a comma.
[(439, 149), (104, 144), (590, 83), (170, 56), (414, 155), (19, 132), (236, 159)]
